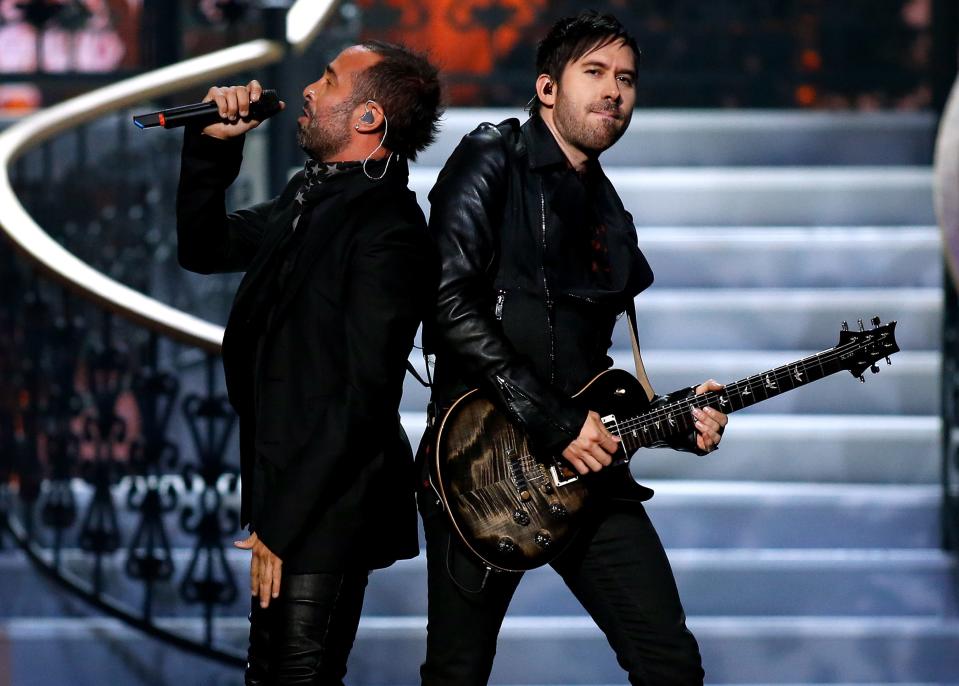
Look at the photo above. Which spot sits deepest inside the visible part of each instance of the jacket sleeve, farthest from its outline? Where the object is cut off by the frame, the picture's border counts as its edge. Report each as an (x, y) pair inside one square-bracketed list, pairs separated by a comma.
[(390, 287), (208, 239), (466, 207)]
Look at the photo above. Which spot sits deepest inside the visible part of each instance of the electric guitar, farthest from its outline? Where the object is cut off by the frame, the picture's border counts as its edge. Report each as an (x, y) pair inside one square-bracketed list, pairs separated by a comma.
[(516, 510)]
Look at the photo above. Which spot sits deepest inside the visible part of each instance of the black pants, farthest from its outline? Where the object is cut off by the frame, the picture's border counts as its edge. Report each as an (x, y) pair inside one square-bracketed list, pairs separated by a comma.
[(305, 635), (616, 567)]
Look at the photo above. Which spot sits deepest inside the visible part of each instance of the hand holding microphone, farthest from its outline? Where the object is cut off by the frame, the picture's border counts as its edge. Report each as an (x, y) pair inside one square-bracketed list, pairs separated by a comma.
[(233, 104), (227, 111)]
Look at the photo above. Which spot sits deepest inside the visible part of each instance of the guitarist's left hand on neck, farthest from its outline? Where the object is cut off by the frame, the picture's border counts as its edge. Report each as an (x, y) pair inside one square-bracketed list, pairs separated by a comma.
[(709, 421)]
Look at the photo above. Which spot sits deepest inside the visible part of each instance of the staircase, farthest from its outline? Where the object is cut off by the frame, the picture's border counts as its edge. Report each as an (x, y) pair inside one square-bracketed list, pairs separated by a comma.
[(806, 549)]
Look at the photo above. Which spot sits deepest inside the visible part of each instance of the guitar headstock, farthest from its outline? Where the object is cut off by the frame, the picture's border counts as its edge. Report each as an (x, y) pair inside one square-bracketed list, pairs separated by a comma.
[(867, 346)]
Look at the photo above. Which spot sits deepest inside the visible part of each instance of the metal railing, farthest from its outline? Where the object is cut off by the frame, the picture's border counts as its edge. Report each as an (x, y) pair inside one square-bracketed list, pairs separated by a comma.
[(113, 422), (947, 210)]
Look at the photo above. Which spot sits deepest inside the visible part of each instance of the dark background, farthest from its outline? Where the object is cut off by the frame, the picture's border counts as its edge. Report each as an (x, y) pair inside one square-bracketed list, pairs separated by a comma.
[(823, 54)]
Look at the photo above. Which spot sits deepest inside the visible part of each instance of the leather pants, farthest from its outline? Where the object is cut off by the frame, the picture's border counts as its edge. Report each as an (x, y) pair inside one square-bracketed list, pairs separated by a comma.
[(305, 635)]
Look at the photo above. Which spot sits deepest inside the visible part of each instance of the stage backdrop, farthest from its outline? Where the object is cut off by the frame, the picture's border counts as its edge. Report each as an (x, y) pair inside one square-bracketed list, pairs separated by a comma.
[(857, 54)]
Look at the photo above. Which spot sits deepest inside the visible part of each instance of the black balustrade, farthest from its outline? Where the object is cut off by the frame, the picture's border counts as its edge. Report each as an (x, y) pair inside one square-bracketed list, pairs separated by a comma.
[(118, 453)]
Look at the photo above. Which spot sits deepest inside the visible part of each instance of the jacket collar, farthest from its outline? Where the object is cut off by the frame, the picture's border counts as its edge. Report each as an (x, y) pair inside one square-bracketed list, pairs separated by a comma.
[(543, 149)]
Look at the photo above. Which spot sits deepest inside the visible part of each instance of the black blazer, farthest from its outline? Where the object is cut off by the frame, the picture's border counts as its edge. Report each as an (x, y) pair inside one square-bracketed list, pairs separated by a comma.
[(317, 384)]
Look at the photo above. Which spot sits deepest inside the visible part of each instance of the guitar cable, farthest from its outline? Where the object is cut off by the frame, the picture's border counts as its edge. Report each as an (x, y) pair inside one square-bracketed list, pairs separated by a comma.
[(449, 570)]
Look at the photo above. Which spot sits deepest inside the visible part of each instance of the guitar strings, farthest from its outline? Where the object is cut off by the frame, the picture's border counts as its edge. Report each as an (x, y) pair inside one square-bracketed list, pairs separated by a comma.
[(779, 374), (529, 461)]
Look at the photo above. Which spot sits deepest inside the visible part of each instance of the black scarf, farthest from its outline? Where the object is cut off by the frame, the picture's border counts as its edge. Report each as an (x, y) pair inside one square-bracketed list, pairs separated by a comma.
[(314, 175)]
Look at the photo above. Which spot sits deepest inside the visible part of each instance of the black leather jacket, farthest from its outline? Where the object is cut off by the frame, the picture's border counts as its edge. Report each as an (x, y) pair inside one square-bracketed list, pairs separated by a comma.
[(519, 311)]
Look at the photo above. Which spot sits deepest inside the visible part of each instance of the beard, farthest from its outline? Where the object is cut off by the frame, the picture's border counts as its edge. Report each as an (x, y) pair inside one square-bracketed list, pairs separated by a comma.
[(326, 133), (593, 134)]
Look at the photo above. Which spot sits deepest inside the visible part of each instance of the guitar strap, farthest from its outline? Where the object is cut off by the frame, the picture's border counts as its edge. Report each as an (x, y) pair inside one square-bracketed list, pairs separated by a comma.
[(637, 357)]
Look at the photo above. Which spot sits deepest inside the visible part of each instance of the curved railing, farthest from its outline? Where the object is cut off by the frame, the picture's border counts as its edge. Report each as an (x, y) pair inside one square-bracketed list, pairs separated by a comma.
[(37, 245), (93, 369), (947, 210)]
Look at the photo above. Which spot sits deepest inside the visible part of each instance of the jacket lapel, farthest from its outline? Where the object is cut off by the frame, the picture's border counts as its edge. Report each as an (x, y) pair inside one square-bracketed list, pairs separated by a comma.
[(280, 222), (325, 220)]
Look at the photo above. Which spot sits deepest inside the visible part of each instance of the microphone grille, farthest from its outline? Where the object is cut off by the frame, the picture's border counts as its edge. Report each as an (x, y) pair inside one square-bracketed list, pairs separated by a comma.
[(266, 106)]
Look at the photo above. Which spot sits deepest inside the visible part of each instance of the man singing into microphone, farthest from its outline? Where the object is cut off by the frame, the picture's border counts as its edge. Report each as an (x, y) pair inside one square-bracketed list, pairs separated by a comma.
[(338, 272)]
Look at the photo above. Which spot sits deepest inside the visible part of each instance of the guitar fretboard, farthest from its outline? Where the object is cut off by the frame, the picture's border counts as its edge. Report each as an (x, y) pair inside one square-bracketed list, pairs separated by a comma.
[(676, 418)]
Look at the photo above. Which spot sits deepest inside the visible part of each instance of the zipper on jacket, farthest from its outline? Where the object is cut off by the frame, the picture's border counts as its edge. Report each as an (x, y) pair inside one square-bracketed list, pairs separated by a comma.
[(500, 299), (549, 300)]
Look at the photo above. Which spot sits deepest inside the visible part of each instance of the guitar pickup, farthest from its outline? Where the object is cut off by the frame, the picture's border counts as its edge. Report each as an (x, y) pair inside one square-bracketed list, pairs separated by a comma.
[(563, 475)]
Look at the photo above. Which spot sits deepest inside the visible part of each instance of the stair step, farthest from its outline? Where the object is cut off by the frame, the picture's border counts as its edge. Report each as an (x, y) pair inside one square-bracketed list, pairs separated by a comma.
[(794, 257), (775, 319), (779, 319), (531, 650), (822, 448), (770, 515), (712, 581), (704, 514), (737, 582), (787, 196), (911, 385), (738, 138)]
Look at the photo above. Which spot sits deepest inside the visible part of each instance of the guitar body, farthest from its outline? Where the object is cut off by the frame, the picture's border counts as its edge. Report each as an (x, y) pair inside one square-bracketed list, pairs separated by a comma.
[(513, 509)]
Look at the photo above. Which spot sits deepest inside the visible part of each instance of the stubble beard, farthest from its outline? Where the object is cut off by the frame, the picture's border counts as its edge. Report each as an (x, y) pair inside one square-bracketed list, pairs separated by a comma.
[(592, 134), (326, 133)]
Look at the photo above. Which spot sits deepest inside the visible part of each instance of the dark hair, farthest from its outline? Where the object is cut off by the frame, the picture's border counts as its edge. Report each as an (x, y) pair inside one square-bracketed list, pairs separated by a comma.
[(407, 87), (572, 37)]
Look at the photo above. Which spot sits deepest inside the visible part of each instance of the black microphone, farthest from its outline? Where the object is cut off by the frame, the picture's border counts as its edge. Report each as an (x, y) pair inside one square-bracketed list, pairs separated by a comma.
[(204, 113)]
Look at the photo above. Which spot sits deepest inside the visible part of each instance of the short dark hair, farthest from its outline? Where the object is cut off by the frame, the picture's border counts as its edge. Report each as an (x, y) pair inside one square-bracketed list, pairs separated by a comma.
[(572, 37), (407, 86)]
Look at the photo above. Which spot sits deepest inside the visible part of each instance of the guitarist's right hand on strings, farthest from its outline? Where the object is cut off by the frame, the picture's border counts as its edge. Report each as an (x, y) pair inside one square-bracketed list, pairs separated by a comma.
[(594, 448)]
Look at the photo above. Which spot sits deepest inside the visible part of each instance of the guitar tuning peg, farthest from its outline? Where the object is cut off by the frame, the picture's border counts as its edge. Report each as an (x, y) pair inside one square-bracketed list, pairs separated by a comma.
[(862, 379), (845, 326), (888, 362), (861, 327), (874, 369), (875, 322)]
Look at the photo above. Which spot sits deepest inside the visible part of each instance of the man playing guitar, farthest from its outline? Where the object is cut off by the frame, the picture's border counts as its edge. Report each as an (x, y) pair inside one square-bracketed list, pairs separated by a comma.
[(539, 257)]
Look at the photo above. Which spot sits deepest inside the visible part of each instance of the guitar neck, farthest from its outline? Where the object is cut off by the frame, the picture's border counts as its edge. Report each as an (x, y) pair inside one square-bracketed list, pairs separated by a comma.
[(676, 418)]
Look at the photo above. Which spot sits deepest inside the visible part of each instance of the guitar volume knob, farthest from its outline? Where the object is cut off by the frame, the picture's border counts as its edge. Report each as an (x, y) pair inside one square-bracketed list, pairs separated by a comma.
[(543, 539), (558, 511), (505, 545), (520, 517)]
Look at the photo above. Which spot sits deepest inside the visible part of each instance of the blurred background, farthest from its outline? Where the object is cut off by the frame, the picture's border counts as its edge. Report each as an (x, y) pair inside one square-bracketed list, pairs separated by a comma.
[(792, 165), (748, 54)]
